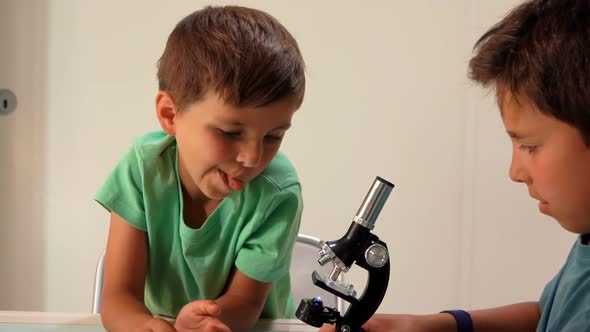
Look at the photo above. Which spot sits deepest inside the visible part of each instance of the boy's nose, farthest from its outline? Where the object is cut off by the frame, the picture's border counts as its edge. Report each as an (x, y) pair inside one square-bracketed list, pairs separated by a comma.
[(516, 171), (250, 153), (513, 173)]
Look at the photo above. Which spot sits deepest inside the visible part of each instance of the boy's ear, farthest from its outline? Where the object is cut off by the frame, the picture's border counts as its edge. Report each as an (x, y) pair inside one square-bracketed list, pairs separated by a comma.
[(166, 112)]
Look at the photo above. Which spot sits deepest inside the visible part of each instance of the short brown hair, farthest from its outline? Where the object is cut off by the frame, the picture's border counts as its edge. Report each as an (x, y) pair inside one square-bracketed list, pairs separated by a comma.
[(244, 54), (541, 50)]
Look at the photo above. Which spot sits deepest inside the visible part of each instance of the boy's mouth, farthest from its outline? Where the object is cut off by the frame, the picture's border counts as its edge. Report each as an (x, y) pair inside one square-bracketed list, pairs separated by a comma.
[(544, 207), (231, 182)]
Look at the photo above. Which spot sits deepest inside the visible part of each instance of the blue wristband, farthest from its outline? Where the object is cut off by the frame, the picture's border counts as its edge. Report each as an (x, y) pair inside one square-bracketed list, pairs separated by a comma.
[(463, 319)]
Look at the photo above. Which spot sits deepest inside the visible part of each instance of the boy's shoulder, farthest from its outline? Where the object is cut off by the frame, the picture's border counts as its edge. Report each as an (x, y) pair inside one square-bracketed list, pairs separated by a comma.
[(279, 173), (153, 144)]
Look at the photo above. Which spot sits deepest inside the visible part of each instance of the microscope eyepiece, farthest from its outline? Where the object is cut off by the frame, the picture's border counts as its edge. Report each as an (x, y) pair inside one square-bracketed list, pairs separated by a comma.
[(373, 203)]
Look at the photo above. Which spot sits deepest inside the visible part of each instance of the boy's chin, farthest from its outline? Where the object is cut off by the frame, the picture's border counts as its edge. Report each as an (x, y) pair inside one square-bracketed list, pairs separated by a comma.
[(573, 226), (216, 195)]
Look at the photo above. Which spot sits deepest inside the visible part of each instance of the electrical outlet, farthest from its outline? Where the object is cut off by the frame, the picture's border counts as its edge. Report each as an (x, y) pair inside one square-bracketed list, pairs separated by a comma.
[(7, 101)]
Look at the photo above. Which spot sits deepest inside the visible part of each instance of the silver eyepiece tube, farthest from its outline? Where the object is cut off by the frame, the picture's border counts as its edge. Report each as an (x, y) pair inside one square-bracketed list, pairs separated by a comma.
[(373, 203)]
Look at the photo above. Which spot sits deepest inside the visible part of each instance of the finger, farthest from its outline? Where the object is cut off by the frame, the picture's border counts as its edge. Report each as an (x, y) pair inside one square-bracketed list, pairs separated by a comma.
[(205, 308), (327, 328), (215, 325), (205, 324)]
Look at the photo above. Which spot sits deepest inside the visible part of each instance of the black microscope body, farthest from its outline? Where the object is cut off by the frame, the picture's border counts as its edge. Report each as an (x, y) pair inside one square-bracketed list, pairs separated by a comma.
[(363, 248)]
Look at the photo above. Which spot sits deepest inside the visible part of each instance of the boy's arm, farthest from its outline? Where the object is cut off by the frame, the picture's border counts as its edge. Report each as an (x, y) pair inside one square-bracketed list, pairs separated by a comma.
[(242, 301), (516, 317), (126, 259)]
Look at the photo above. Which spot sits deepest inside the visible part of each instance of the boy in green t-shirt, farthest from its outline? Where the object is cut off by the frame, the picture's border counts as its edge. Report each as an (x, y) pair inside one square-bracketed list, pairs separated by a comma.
[(205, 213)]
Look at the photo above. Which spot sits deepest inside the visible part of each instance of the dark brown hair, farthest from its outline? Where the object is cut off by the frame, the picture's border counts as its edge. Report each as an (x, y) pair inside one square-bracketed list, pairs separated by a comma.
[(541, 50), (243, 54)]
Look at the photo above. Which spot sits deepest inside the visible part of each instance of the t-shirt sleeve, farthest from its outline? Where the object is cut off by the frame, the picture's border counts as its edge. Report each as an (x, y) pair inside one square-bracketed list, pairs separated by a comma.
[(548, 292), (122, 192), (266, 254)]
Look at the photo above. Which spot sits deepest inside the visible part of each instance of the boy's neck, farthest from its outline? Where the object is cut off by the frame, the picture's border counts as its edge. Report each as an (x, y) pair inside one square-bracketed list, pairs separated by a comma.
[(586, 238)]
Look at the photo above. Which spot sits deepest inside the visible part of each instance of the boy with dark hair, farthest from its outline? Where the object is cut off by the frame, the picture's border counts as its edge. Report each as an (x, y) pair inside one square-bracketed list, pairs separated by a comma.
[(538, 60), (205, 213)]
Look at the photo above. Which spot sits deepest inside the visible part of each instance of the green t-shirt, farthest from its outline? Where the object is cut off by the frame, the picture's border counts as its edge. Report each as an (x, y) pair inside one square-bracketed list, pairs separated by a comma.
[(253, 230)]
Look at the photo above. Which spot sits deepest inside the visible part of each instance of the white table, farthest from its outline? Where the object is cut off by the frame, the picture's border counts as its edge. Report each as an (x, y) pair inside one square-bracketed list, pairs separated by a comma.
[(29, 321)]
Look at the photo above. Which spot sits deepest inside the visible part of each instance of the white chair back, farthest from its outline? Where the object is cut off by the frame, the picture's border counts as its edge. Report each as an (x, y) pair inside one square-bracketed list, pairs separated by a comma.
[(303, 263)]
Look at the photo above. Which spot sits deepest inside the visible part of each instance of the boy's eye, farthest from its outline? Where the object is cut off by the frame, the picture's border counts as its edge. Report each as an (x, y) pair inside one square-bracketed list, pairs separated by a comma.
[(237, 134), (230, 134), (529, 148), (273, 138)]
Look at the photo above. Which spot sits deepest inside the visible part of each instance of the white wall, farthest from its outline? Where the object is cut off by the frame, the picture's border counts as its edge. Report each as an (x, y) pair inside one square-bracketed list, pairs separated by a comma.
[(23, 156), (387, 95)]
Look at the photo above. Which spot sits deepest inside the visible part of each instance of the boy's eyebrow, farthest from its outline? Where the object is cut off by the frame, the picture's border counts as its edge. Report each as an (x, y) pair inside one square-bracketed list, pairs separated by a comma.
[(282, 127), (514, 135)]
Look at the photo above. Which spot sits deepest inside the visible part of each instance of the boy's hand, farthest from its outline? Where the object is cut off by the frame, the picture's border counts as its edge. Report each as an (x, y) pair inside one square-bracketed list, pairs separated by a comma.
[(200, 315), (156, 325)]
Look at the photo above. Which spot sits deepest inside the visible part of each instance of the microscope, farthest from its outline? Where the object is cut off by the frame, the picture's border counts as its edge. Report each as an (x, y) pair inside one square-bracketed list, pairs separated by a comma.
[(357, 246)]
